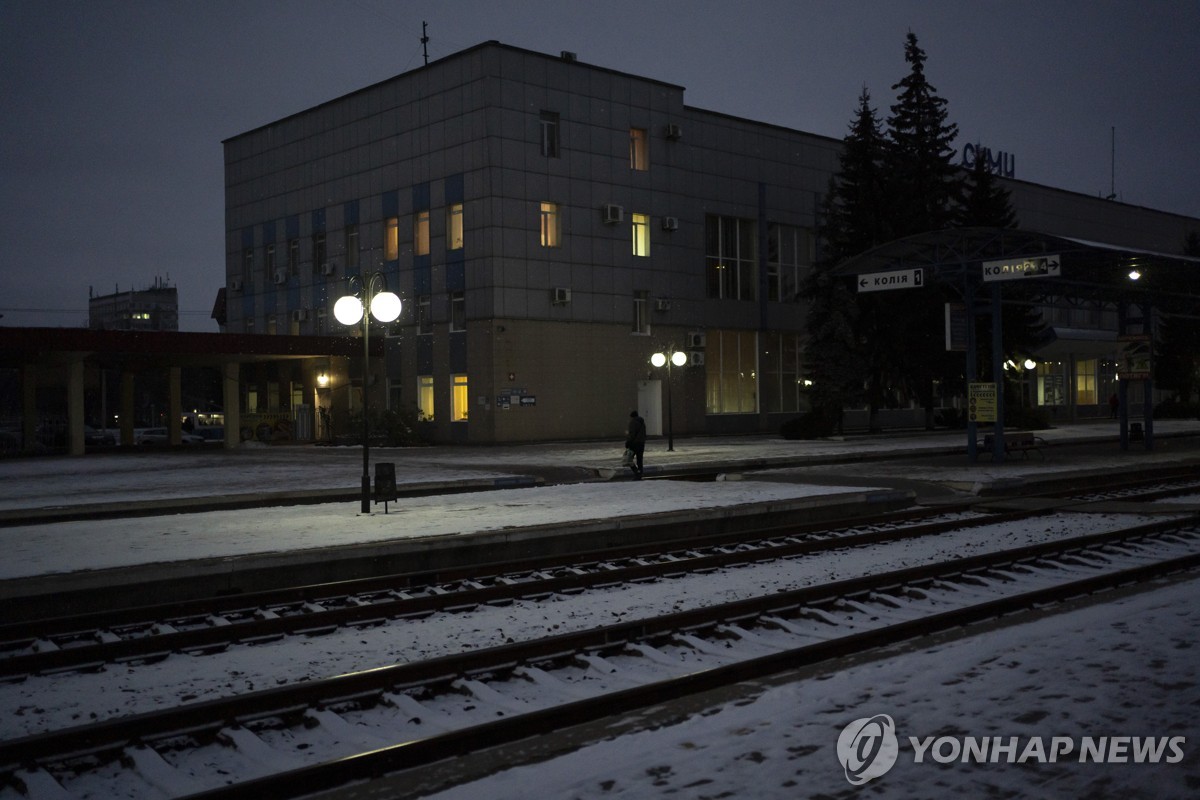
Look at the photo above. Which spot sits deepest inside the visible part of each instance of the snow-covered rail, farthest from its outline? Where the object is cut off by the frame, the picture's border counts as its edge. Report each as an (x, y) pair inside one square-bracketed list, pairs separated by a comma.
[(282, 742), (212, 625)]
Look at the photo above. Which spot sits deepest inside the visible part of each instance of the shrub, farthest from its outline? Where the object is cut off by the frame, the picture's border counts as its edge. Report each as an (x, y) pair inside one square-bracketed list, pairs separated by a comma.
[(809, 425)]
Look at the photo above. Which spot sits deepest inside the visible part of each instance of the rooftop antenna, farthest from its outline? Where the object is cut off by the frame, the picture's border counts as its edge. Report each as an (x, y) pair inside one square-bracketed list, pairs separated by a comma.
[(425, 41), (1112, 169)]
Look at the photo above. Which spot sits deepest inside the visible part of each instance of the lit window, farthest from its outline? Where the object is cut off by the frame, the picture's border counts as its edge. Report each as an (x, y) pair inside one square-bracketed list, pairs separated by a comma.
[(421, 233), (391, 239), (639, 151), (641, 234), (731, 372), (454, 227), (458, 398), (549, 130), (425, 396), (550, 225)]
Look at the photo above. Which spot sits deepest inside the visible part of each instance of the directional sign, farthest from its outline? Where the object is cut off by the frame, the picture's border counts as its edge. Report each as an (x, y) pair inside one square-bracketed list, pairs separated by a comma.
[(1040, 267), (882, 281)]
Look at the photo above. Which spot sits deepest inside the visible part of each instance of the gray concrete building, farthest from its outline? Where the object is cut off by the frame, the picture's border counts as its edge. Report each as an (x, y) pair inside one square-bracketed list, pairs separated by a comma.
[(155, 308), (549, 225)]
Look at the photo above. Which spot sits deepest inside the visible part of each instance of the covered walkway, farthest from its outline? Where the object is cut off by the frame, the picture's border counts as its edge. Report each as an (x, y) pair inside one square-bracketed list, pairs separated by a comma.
[(61, 357)]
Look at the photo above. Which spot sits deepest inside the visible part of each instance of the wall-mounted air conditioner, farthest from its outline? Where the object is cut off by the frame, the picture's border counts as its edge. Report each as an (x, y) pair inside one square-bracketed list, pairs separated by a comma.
[(613, 214), (662, 304), (281, 276), (562, 295), (300, 315), (328, 268), (670, 223), (235, 284), (695, 340), (695, 359), (674, 131)]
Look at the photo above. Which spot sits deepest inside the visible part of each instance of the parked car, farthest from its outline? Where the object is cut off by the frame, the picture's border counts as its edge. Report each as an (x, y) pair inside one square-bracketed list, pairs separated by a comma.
[(98, 438), (210, 433), (159, 436)]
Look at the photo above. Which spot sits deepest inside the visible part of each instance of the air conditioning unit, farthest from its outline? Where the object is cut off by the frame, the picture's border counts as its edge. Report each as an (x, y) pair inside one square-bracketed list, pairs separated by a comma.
[(674, 132), (662, 304), (562, 295), (235, 284), (300, 315), (328, 268), (695, 359), (695, 340), (613, 214), (670, 223), (281, 276)]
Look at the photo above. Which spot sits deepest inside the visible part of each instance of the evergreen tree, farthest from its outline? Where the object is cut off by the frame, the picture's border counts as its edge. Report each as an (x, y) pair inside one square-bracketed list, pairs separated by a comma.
[(927, 188), (985, 203), (853, 219), (921, 152)]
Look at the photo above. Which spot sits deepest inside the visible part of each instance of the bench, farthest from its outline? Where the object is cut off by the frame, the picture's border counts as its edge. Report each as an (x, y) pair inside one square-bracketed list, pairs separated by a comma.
[(1018, 441)]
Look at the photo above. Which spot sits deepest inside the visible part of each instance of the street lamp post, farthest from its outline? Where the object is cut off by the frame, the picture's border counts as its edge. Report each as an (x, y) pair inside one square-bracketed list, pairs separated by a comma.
[(349, 310), (672, 356)]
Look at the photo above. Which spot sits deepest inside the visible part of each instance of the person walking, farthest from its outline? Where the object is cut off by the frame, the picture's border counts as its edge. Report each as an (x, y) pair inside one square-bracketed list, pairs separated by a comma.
[(635, 440)]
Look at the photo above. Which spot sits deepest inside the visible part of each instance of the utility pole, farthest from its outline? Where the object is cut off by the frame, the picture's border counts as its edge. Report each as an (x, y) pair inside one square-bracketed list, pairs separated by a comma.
[(425, 42)]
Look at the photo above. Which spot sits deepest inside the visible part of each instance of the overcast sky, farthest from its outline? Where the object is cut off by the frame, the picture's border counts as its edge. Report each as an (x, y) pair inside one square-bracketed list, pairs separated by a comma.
[(114, 112)]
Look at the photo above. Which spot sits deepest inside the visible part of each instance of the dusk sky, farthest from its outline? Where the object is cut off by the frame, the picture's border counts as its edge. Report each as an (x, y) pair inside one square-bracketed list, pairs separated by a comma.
[(114, 112)]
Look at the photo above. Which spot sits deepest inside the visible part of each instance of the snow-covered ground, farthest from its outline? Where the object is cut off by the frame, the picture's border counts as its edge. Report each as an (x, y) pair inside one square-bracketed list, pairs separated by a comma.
[(1121, 668), (1124, 669)]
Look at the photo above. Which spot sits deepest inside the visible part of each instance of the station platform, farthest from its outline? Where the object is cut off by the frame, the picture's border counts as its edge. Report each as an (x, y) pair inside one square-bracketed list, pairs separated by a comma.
[(223, 517)]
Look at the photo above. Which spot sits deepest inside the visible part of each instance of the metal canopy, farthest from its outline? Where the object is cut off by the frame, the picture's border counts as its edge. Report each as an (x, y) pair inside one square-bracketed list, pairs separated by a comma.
[(1094, 269), (1085, 270)]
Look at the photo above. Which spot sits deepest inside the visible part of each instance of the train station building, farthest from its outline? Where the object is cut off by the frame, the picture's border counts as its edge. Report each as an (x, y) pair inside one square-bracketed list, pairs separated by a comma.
[(550, 224)]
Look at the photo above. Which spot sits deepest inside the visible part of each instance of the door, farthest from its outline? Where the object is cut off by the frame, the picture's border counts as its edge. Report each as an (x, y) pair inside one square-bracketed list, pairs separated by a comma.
[(649, 405)]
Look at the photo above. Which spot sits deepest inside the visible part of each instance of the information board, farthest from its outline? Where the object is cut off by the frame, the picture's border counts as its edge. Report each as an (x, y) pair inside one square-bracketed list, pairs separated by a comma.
[(981, 402)]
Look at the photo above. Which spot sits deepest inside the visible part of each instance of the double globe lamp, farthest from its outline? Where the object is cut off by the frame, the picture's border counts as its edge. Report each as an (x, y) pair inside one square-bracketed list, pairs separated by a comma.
[(350, 310)]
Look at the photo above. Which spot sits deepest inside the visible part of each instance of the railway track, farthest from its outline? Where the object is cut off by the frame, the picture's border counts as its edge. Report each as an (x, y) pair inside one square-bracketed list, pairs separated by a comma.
[(87, 642), (324, 733), (148, 634)]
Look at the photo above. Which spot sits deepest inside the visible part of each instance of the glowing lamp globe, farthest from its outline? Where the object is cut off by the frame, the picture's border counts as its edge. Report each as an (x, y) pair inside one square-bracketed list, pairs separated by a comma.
[(678, 358), (348, 310), (658, 359), (385, 307)]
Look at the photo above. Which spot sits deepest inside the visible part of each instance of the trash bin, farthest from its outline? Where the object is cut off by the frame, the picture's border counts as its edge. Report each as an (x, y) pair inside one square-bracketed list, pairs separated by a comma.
[(1136, 433), (385, 482)]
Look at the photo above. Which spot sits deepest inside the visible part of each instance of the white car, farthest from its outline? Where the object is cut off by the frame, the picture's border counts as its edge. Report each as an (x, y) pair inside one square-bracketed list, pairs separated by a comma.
[(155, 436)]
